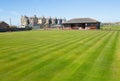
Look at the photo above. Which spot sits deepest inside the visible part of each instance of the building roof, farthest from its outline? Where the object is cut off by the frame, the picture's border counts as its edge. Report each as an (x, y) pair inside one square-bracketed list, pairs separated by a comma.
[(81, 20), (3, 24)]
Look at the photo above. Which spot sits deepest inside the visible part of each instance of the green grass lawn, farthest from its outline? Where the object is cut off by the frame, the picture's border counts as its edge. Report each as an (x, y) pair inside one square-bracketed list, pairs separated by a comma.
[(57, 55), (110, 27)]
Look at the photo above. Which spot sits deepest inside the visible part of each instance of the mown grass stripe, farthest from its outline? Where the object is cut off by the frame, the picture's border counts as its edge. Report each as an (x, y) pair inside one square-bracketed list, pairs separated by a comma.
[(61, 56), (76, 64), (70, 59), (102, 64), (46, 52), (46, 46), (116, 62), (35, 56), (42, 46), (33, 45)]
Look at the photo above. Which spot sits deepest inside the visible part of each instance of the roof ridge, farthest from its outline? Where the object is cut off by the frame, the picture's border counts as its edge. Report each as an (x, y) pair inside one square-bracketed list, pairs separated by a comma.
[(82, 20)]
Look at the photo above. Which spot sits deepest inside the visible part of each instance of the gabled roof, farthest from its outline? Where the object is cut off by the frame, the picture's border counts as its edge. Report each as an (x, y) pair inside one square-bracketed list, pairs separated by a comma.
[(3, 25), (81, 20), (2, 22)]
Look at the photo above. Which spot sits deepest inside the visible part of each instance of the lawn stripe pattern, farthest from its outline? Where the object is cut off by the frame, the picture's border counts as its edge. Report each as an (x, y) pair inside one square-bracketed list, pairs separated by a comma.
[(60, 56)]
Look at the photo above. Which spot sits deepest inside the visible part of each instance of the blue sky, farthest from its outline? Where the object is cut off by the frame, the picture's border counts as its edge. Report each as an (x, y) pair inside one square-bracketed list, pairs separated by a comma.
[(102, 10)]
